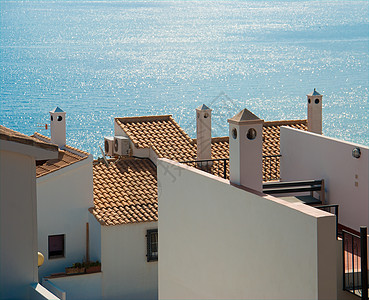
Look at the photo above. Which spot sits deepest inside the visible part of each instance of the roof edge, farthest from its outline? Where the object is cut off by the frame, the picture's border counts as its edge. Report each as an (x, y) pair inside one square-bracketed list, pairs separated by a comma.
[(285, 122), (143, 118)]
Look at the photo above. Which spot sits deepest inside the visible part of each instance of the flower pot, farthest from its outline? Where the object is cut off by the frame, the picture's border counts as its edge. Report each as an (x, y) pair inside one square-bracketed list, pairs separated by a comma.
[(93, 269), (72, 271)]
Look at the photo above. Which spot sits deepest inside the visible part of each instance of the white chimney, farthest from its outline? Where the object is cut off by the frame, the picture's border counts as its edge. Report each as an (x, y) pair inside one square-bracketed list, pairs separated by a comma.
[(57, 127), (203, 130), (315, 112), (246, 150)]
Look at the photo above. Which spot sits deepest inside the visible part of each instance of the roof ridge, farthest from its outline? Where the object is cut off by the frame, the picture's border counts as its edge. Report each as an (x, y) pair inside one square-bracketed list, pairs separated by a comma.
[(284, 122), (215, 139), (143, 118), (42, 137), (18, 137)]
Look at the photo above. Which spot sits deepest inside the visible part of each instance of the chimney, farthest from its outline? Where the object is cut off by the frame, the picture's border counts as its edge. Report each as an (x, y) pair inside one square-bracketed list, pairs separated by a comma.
[(203, 130), (57, 127), (246, 150), (315, 112)]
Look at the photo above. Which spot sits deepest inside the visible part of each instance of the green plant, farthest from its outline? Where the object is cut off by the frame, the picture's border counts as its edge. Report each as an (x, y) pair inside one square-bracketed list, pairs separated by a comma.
[(77, 265)]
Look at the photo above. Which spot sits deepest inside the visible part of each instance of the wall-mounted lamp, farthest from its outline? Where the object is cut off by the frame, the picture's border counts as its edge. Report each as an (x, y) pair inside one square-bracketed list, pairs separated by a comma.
[(356, 152)]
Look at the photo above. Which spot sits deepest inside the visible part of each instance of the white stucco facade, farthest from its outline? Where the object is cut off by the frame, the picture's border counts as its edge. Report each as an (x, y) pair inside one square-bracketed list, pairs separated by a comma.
[(307, 155), (64, 197), (223, 242), (18, 218), (126, 272)]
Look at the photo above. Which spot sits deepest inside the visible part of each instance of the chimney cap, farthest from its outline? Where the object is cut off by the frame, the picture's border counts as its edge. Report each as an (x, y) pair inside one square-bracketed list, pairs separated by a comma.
[(245, 116), (57, 110), (314, 93), (203, 107)]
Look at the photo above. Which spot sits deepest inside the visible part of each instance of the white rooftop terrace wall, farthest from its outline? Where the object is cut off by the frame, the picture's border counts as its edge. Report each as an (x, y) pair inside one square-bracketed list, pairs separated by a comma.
[(18, 218), (63, 199), (126, 272), (219, 241), (76, 287), (306, 155), (18, 225)]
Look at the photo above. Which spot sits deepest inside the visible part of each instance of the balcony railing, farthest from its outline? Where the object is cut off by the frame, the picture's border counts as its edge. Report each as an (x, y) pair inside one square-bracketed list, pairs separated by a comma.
[(333, 209), (220, 167), (355, 263)]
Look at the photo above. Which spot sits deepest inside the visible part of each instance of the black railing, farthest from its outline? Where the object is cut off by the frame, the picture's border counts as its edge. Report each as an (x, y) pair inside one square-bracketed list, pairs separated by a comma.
[(355, 263), (333, 209), (219, 167), (271, 164)]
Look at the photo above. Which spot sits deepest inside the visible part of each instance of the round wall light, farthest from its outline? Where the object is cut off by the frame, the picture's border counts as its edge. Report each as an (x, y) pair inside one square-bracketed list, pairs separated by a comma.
[(356, 152)]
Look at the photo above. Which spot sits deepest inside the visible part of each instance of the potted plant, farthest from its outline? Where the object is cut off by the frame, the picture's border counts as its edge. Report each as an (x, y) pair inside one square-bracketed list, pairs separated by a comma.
[(93, 267), (76, 268)]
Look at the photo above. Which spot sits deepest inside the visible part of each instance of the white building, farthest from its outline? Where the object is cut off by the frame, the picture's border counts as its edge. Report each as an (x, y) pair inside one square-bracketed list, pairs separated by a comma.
[(125, 192), (220, 236), (18, 214), (64, 194), (227, 239), (126, 212)]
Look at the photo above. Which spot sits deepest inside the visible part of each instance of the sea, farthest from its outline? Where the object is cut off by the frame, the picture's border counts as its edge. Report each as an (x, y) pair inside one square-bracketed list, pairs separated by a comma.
[(98, 60)]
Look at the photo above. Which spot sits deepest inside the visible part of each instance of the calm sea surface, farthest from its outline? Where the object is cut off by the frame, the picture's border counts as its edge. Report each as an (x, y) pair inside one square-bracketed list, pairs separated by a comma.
[(103, 59)]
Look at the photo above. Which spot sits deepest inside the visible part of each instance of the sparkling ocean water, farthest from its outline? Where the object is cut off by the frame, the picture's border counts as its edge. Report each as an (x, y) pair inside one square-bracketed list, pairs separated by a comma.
[(103, 59)]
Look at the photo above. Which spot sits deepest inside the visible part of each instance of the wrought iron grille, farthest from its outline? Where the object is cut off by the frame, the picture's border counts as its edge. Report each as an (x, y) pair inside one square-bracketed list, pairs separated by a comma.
[(220, 167), (355, 263)]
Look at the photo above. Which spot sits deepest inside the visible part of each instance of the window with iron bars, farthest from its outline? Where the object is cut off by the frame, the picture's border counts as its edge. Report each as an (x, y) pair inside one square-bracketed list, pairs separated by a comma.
[(152, 244)]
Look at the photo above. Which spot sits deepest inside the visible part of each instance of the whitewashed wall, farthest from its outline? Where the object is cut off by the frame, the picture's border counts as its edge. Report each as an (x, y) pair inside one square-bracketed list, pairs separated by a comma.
[(126, 272), (307, 155), (218, 241), (95, 238), (78, 287), (18, 225), (63, 199)]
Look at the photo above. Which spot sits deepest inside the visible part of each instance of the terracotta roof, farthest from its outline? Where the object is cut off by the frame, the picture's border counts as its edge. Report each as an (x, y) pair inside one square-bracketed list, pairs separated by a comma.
[(271, 134), (15, 136), (162, 134), (169, 140), (67, 156), (125, 192)]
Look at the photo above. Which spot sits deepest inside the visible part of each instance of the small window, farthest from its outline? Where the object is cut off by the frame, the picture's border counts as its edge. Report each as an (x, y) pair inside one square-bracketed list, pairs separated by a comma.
[(316, 101), (51, 118), (152, 245), (60, 118), (56, 246)]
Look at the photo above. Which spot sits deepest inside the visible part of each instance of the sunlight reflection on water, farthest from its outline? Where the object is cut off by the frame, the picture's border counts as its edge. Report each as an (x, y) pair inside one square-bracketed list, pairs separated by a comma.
[(100, 60)]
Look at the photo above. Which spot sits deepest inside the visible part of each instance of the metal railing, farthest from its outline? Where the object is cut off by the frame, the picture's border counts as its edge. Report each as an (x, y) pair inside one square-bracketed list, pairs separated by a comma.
[(219, 167), (355, 263), (333, 209), (271, 165)]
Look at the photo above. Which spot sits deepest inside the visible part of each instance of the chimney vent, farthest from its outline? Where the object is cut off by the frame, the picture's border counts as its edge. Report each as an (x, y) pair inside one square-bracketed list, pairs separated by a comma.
[(315, 112), (246, 150), (58, 127), (203, 130)]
